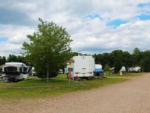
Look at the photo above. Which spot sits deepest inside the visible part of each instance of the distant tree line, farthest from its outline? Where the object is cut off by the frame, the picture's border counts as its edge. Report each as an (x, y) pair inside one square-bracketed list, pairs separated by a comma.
[(119, 58), (2, 60), (116, 58), (12, 58)]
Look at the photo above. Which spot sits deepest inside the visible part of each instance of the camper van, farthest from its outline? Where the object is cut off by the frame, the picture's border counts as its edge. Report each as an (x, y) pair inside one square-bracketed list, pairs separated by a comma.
[(81, 67), (14, 71)]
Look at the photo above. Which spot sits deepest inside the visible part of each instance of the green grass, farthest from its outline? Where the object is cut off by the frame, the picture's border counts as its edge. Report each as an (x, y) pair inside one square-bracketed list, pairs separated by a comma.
[(125, 75), (35, 87)]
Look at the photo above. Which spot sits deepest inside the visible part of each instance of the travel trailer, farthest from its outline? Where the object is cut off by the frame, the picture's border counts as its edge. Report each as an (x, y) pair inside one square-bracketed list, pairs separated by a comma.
[(134, 69), (14, 71), (81, 67), (122, 70)]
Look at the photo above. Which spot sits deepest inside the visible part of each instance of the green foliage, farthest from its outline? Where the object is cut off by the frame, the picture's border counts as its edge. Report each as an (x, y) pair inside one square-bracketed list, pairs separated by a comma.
[(14, 58), (136, 56), (107, 67), (136, 52), (120, 58), (145, 61), (117, 56), (2, 60), (48, 49)]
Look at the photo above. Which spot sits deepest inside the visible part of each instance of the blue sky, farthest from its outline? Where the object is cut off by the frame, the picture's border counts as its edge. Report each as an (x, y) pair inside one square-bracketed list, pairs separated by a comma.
[(3, 39), (95, 26), (143, 5), (13, 16), (93, 16), (144, 16), (116, 22)]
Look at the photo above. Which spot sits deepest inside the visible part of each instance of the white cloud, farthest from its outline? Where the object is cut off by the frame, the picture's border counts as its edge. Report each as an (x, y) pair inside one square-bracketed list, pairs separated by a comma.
[(15, 35), (126, 37), (90, 35)]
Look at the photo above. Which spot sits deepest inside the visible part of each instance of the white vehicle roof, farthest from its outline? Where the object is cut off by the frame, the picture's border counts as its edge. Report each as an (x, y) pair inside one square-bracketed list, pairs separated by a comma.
[(81, 56), (98, 66), (17, 64)]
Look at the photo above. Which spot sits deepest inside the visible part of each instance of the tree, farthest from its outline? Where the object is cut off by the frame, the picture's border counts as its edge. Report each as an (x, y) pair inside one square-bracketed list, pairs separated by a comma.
[(48, 48), (136, 51), (2, 60), (136, 56), (14, 58), (119, 58), (145, 61), (106, 68)]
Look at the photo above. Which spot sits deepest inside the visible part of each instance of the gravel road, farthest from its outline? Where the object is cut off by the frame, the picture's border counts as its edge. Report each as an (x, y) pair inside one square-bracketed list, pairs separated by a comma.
[(132, 96)]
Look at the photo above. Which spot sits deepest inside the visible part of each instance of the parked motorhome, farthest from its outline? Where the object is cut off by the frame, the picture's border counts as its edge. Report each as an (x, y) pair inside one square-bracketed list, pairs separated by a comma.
[(14, 71), (81, 67)]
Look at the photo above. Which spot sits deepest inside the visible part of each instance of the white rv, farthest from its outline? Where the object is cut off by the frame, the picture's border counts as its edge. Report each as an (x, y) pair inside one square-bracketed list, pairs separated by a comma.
[(134, 69), (14, 71), (81, 67)]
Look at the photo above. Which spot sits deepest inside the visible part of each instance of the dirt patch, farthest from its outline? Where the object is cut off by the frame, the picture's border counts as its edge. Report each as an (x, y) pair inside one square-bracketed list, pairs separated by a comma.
[(132, 96)]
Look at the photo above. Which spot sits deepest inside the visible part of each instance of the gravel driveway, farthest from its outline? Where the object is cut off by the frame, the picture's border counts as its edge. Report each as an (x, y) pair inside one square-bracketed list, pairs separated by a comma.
[(132, 96)]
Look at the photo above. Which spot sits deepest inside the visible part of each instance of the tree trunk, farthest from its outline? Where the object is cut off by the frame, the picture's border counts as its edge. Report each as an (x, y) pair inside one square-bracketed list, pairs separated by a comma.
[(47, 73)]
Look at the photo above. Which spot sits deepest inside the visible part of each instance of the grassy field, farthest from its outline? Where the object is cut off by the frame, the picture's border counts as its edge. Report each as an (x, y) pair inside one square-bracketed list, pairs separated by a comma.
[(35, 87)]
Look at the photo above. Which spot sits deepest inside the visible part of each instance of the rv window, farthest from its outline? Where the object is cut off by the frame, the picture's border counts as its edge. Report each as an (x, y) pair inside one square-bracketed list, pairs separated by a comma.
[(25, 70), (10, 69), (20, 70)]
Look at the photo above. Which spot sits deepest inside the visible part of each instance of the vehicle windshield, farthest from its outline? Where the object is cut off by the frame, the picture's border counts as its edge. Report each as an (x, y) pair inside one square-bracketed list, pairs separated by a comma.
[(11, 70)]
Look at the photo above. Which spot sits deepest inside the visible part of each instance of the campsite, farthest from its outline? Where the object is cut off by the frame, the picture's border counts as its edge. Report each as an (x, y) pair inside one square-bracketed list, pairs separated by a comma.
[(49, 69), (74, 56)]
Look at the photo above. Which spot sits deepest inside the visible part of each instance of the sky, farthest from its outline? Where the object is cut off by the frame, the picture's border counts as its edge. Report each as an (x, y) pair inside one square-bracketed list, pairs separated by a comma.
[(95, 26)]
